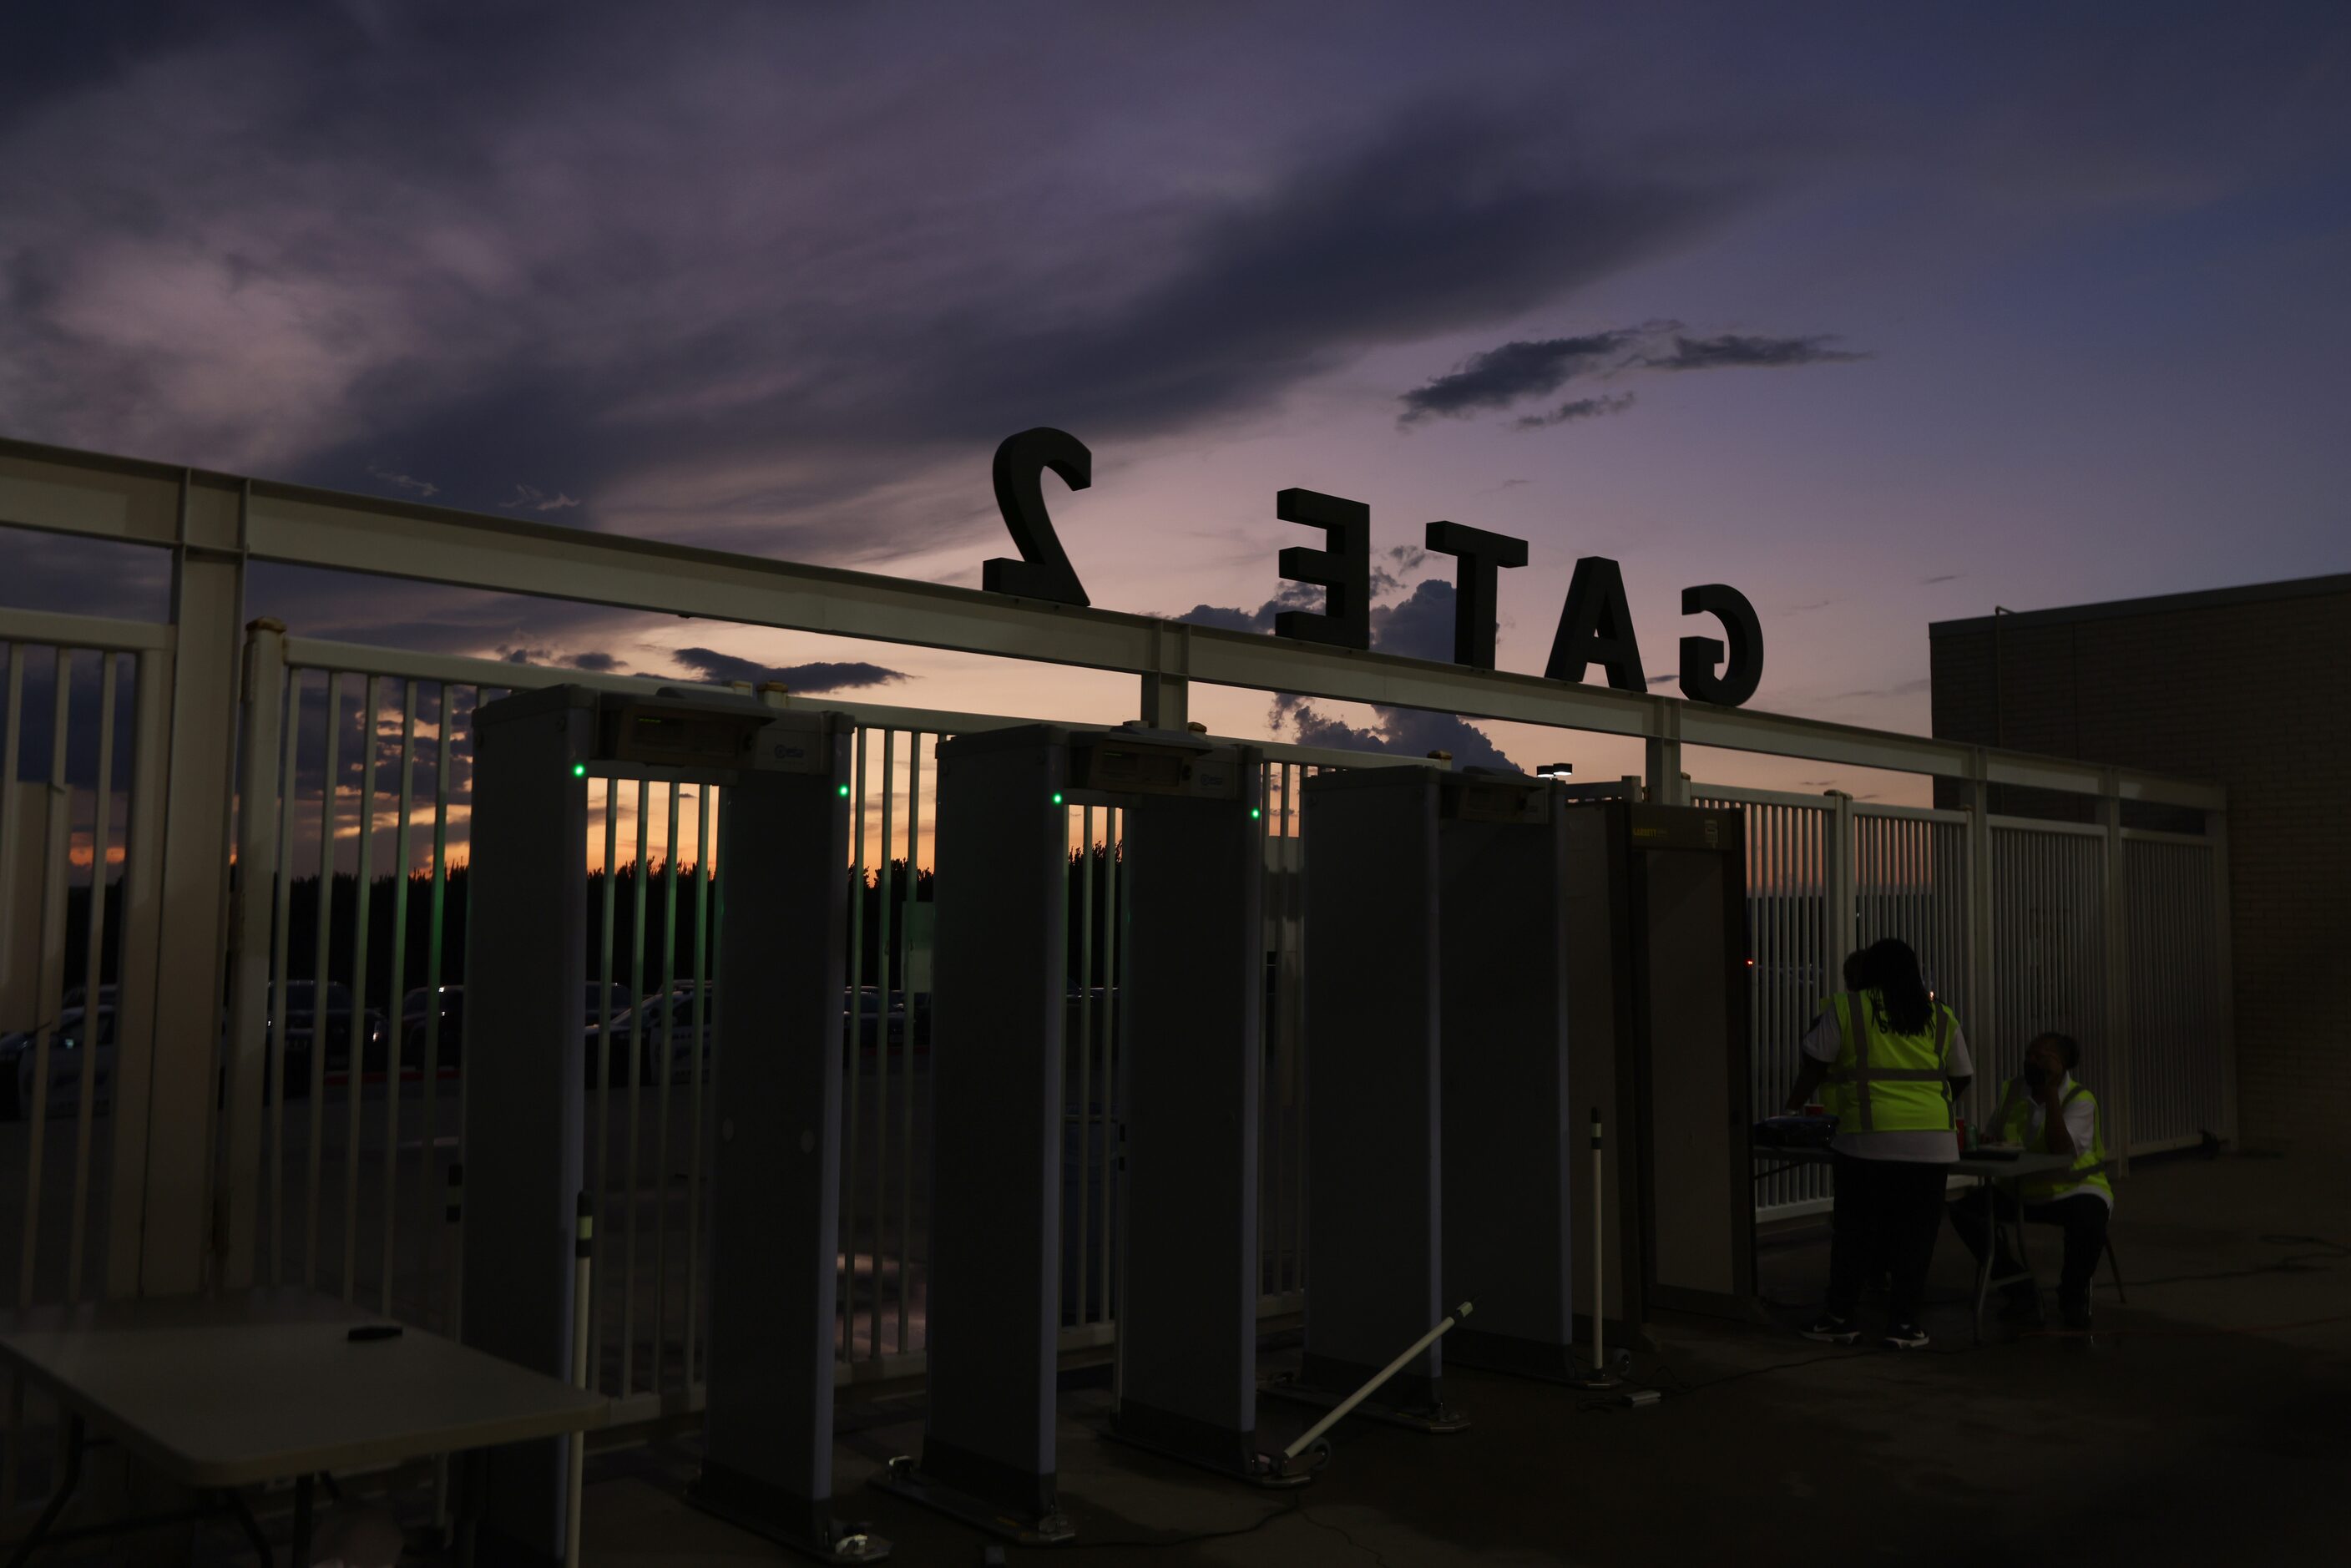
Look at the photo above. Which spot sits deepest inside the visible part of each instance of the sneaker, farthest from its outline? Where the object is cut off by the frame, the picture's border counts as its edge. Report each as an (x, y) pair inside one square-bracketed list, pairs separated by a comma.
[(1905, 1336), (1830, 1329)]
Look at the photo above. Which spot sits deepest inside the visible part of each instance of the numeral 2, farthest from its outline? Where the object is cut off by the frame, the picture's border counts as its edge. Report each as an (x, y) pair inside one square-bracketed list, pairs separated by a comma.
[(1043, 571)]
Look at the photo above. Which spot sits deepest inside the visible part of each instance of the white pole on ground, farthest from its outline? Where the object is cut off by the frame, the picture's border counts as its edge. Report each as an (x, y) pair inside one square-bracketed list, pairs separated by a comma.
[(583, 1245), (1340, 1412)]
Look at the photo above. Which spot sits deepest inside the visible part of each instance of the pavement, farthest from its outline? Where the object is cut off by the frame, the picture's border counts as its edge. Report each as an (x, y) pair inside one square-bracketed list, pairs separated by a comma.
[(2204, 1421)]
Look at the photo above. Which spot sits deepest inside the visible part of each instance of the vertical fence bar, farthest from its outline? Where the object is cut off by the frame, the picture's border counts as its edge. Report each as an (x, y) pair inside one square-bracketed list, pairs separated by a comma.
[(395, 1000), (907, 983), (601, 1179), (638, 1002), (11, 945), (705, 860), (50, 977), (280, 957), (882, 1045), (856, 1052), (97, 1020), (695, 1035), (1086, 1107), (435, 929), (1114, 822), (356, 1051)]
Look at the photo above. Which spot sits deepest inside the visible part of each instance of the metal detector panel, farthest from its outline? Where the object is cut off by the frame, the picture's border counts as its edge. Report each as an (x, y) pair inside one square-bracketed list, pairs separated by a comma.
[(995, 1147), (775, 1168), (1594, 908), (1372, 1244), (1689, 888), (526, 1017), (1194, 987), (1511, 1143)]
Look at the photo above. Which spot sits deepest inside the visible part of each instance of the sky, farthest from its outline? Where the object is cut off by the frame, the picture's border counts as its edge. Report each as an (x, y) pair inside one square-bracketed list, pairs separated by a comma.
[(1882, 314)]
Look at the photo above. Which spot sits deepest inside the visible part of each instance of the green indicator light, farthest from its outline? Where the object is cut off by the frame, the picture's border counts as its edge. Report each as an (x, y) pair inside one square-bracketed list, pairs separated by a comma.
[(1057, 796), (844, 791), (1255, 814), (579, 770)]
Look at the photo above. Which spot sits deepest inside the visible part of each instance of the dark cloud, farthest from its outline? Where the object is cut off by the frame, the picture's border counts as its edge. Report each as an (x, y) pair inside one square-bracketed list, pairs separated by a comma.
[(819, 676), (1420, 625), (1734, 351), (1577, 407), (1499, 377), (1941, 577), (1531, 368), (1231, 617), (1403, 732), (598, 663)]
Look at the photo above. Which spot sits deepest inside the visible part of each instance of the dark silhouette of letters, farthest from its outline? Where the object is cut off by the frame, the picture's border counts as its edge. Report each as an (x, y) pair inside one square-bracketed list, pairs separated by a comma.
[(1344, 570), (1743, 670), (1043, 571), (1595, 627), (1482, 555)]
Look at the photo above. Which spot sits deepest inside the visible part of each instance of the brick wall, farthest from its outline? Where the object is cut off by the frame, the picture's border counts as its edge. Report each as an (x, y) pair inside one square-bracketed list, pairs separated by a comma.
[(2254, 695)]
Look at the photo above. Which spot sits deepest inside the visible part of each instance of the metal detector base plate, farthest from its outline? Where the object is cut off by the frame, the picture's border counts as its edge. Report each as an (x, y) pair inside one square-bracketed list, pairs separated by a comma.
[(1266, 1473), (1419, 1418), (901, 1479), (844, 1547)]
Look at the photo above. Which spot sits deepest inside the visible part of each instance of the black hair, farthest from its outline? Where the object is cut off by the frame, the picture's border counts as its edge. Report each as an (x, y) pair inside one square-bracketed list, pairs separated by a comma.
[(1891, 969), (2067, 1047), (1856, 969)]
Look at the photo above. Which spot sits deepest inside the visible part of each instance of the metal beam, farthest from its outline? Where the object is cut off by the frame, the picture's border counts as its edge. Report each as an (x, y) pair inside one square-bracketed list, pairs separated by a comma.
[(77, 493)]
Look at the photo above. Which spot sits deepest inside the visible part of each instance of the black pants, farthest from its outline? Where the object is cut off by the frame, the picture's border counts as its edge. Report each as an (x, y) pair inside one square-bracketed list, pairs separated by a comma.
[(2082, 1216), (1887, 1214)]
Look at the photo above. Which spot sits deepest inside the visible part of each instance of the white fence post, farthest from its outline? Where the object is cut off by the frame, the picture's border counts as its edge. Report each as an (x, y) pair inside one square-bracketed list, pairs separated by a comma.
[(2216, 828), (253, 903), (1843, 902), (1983, 977), (2120, 1058), (184, 1009)]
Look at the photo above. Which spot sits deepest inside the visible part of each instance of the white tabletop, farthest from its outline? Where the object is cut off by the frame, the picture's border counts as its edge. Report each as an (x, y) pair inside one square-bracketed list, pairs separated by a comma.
[(233, 1390)]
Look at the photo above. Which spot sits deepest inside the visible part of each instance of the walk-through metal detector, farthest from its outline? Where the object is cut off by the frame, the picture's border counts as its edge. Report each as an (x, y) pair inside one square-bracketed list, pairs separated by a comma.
[(1659, 993), (1190, 998), (1514, 1150), (768, 1433), (1374, 1147)]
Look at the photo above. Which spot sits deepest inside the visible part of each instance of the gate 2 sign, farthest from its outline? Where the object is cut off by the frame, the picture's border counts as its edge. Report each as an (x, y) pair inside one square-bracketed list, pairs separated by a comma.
[(1595, 625)]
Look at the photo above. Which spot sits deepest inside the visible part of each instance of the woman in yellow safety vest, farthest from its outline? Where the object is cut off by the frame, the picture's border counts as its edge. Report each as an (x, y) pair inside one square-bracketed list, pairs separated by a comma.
[(1896, 1060), (2044, 1111)]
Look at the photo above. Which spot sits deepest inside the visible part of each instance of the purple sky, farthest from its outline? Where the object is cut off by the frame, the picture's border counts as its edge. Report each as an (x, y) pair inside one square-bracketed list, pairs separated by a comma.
[(1883, 314)]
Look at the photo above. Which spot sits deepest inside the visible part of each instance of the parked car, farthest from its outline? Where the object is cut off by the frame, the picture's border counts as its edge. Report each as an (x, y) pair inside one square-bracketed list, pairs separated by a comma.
[(301, 1030), (682, 1013), (416, 1011), (67, 1043)]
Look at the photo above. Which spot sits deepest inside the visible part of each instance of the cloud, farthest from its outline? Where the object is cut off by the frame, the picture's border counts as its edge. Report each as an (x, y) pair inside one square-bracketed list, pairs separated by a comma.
[(1523, 368), (598, 663), (1577, 407), (1405, 732), (1941, 577), (1231, 617), (1733, 350), (420, 489), (738, 290), (810, 678), (1420, 626), (538, 500), (1501, 376), (522, 653)]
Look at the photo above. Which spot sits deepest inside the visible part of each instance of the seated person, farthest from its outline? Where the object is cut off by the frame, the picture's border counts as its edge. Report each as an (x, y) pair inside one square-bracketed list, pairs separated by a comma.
[(2048, 1113)]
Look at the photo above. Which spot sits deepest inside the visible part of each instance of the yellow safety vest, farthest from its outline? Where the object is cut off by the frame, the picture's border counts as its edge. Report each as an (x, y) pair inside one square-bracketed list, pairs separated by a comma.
[(1889, 1082), (2089, 1164)]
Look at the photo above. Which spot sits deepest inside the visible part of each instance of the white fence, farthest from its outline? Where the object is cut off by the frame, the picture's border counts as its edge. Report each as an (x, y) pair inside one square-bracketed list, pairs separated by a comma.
[(246, 1121)]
